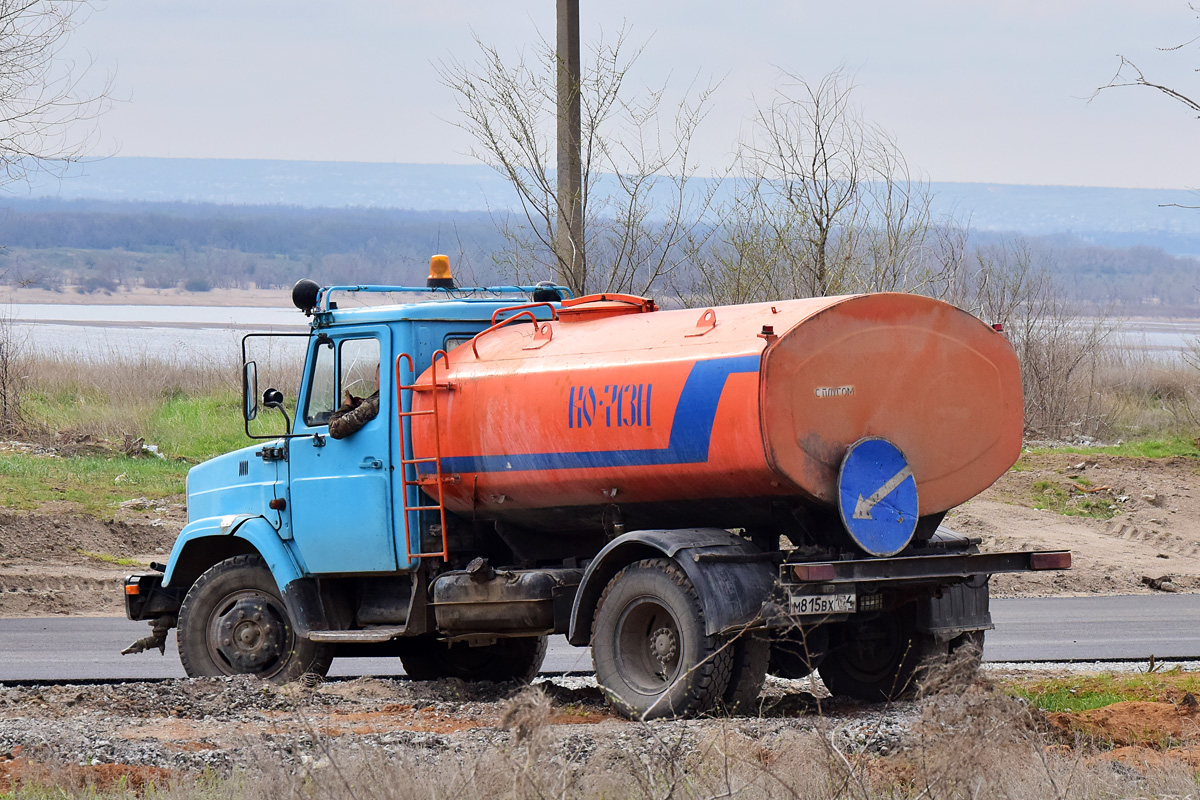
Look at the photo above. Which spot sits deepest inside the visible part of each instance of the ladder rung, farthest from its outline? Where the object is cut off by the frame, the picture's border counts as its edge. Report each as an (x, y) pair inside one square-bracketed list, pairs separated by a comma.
[(435, 478)]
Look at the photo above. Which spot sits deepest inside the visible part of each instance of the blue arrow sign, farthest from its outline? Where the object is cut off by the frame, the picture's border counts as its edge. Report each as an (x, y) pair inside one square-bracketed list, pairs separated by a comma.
[(877, 497)]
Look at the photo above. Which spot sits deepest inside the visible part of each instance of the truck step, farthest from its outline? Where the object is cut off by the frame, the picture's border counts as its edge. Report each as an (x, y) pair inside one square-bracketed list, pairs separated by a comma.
[(382, 633)]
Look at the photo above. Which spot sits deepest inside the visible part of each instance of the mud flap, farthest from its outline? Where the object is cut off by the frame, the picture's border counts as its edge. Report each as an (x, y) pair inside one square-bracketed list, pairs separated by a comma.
[(961, 608)]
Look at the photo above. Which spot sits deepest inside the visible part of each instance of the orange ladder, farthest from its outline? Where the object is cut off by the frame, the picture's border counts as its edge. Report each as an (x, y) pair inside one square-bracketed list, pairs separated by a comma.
[(407, 457)]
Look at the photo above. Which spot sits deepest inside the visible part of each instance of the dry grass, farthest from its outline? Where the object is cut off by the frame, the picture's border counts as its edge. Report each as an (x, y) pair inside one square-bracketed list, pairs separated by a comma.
[(968, 740), (188, 406), (1137, 393), (1124, 393)]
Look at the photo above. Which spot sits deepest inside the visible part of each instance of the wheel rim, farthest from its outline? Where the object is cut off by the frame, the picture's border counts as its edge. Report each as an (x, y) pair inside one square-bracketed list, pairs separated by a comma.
[(649, 646), (247, 634)]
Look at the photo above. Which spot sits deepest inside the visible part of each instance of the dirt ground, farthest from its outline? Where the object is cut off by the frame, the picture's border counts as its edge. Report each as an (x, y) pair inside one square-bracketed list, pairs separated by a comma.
[(1154, 532), (56, 561), (561, 734)]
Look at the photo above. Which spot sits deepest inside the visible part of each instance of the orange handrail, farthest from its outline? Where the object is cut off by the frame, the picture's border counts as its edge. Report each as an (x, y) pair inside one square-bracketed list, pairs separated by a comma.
[(501, 324), (499, 311)]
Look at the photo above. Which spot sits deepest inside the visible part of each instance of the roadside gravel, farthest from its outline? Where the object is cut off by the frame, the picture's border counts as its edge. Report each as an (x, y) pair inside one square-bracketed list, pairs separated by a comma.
[(224, 724)]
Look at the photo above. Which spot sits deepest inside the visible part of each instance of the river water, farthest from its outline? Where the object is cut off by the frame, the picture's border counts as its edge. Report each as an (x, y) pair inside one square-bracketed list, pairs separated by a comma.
[(94, 332), (97, 332)]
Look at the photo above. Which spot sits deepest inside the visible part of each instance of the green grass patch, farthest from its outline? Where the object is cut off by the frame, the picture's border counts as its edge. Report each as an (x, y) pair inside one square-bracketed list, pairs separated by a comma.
[(1065, 500), (1085, 692), (93, 483), (108, 558), (1178, 446), (187, 429), (1064, 699), (199, 428)]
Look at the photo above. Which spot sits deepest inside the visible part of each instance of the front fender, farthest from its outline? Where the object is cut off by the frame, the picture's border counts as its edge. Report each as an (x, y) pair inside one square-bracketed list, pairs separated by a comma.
[(256, 531), (731, 592)]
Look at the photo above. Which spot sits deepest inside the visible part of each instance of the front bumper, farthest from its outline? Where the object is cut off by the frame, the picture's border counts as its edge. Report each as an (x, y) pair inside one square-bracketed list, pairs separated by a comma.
[(147, 599)]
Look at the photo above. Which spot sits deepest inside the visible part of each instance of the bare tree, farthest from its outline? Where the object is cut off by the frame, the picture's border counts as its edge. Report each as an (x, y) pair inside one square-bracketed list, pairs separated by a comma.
[(46, 105), (46, 113), (12, 376), (1129, 74), (825, 204), (638, 199), (1059, 349)]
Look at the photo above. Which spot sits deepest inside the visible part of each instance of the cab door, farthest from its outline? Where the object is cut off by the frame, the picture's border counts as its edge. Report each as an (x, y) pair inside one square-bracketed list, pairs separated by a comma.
[(342, 520)]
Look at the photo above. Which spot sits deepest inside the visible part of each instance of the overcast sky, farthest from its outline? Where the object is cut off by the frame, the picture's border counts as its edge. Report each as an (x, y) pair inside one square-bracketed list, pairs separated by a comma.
[(988, 92)]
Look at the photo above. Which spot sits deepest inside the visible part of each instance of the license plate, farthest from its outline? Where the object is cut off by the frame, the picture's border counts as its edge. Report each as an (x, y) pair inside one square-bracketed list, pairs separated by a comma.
[(824, 603)]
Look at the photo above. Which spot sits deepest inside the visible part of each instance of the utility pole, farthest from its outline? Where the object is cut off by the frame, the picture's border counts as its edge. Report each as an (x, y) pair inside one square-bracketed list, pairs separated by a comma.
[(568, 237)]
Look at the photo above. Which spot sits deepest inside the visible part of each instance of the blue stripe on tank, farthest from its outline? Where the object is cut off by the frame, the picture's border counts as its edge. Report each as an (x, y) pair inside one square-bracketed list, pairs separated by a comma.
[(691, 431)]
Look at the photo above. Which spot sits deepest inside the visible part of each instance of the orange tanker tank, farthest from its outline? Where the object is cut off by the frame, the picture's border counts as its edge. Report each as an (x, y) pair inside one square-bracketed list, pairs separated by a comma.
[(618, 414)]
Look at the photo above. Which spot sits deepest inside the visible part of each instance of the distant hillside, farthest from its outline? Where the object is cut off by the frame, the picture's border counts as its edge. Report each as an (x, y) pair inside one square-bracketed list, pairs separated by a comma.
[(106, 246), (1114, 217)]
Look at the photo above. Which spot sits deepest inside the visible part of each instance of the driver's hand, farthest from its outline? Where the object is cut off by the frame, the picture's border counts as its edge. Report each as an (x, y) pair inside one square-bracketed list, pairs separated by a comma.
[(352, 401)]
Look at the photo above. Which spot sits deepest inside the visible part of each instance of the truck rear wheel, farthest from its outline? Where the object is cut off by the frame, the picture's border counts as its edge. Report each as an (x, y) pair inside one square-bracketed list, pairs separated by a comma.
[(652, 655), (797, 652), (877, 659), (429, 659), (233, 622), (751, 657)]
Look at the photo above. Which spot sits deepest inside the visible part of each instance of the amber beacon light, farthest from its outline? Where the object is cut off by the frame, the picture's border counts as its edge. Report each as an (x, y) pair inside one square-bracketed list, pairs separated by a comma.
[(439, 273)]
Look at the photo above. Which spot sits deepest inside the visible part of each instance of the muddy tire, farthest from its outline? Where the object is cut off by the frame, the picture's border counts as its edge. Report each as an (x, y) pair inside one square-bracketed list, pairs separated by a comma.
[(877, 659), (751, 654), (796, 653), (428, 659), (233, 622), (652, 655), (968, 647)]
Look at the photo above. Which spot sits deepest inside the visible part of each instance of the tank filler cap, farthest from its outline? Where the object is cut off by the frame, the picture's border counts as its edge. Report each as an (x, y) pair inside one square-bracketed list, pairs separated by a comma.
[(877, 497), (609, 304)]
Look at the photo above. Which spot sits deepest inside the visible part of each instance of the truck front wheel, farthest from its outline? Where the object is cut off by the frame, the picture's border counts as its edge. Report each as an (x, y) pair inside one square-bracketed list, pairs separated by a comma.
[(877, 659), (233, 622), (652, 655)]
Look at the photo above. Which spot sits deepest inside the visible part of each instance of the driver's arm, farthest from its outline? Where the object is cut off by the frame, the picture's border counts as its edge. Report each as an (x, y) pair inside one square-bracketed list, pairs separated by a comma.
[(352, 415)]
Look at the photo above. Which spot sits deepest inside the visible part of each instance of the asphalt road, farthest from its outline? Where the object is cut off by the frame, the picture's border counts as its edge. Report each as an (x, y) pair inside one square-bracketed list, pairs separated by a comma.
[(1032, 629)]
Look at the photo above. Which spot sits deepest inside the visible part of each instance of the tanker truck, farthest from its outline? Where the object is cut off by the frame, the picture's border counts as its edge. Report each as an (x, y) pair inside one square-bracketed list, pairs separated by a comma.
[(701, 496)]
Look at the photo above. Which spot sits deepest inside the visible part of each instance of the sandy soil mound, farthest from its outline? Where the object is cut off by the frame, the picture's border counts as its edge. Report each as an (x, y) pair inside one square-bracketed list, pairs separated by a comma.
[(1154, 531), (67, 563)]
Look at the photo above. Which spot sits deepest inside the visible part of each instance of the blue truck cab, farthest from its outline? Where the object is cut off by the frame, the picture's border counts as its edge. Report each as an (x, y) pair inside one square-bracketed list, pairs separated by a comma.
[(303, 544)]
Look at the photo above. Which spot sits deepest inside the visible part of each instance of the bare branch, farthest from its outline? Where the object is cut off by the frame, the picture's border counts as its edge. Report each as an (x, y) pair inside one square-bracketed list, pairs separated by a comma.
[(46, 110), (638, 206)]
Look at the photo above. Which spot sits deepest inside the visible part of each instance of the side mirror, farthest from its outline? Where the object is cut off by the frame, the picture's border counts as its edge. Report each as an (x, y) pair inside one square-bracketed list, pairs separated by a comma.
[(250, 390), (273, 398)]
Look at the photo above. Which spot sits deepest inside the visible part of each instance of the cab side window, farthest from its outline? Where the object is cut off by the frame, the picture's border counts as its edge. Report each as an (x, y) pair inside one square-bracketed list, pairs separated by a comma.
[(322, 393), (359, 367)]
